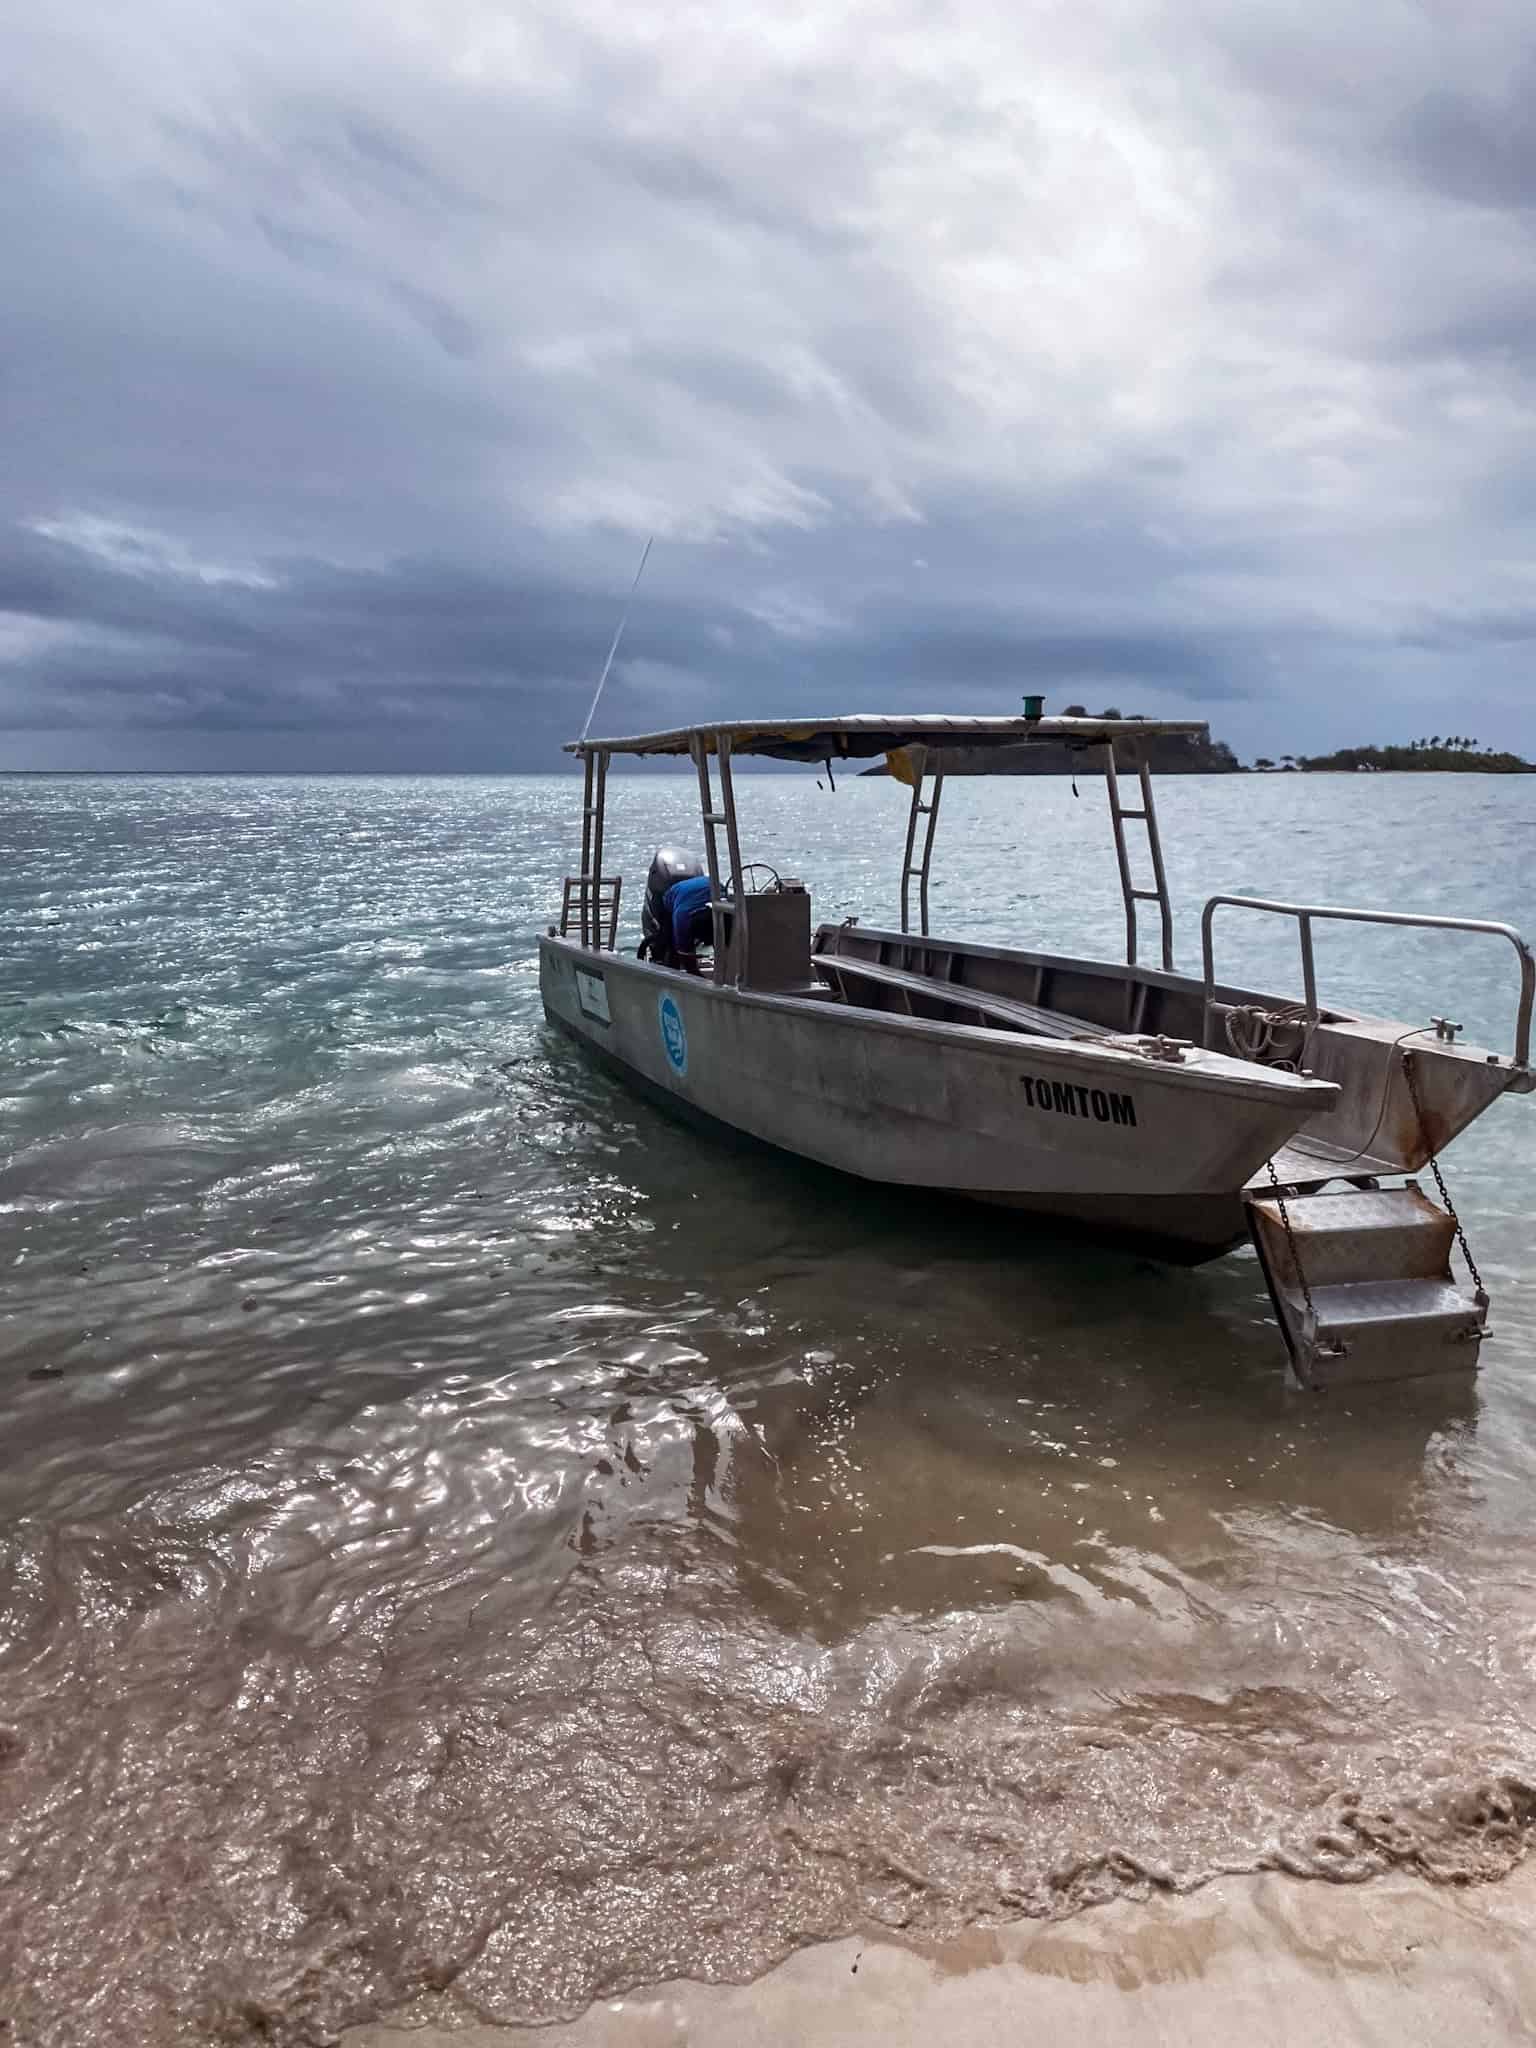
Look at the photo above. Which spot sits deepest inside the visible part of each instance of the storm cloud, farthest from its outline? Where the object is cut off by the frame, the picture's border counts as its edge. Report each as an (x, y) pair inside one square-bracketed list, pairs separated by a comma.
[(1174, 357)]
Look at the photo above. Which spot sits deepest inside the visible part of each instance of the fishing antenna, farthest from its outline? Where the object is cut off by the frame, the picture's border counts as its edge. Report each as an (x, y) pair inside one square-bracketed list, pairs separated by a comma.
[(618, 634)]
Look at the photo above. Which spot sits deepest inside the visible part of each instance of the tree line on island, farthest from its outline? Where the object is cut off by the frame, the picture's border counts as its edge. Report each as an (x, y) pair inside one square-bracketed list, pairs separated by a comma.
[(1456, 753)]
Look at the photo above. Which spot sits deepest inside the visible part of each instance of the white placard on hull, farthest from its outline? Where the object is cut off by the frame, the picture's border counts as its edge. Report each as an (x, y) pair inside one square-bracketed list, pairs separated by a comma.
[(592, 994)]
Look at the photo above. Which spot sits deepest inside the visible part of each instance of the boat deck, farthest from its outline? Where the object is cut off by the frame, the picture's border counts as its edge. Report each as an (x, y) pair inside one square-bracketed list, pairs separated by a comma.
[(947, 997)]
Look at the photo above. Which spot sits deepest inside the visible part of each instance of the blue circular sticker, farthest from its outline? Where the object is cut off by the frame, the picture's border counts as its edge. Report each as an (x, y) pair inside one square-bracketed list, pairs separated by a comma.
[(674, 1036)]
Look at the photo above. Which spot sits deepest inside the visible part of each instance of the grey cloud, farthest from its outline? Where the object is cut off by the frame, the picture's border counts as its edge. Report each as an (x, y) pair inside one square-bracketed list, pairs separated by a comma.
[(714, 376), (686, 182), (447, 326), (389, 150), (475, 668), (298, 246), (1476, 147), (945, 358), (1502, 629)]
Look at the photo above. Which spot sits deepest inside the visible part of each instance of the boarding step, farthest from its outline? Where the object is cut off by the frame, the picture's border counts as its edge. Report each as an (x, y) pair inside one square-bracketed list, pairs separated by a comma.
[(1356, 1233), (1376, 1263)]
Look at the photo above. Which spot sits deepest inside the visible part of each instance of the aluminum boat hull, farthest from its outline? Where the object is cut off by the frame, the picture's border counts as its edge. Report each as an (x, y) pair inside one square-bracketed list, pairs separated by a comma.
[(1090, 1132)]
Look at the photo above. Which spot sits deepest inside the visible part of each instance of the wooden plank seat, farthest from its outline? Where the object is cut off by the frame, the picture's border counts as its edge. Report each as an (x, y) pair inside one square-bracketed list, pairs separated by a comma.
[(1030, 1017)]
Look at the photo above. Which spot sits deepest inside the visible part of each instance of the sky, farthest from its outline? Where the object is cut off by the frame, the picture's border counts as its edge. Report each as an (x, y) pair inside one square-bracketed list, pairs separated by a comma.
[(1180, 358)]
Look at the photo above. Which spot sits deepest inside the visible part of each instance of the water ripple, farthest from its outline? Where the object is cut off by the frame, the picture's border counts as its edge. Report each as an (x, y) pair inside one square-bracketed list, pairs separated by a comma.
[(461, 1534)]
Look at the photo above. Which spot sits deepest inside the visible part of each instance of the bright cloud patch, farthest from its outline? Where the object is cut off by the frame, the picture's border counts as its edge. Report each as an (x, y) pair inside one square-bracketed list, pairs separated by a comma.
[(140, 553)]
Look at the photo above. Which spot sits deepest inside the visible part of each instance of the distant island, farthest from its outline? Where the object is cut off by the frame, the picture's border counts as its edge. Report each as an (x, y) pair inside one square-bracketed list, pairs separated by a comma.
[(1438, 756)]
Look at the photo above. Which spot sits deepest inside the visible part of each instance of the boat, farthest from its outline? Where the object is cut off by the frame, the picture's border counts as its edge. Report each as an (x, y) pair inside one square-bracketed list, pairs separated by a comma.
[(1178, 1112)]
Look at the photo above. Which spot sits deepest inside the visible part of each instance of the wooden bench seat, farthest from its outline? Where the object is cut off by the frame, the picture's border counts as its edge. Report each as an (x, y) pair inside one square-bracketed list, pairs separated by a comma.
[(1030, 1017)]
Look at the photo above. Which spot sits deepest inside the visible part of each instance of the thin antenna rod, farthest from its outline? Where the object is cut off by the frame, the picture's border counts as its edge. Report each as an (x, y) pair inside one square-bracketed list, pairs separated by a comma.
[(618, 634)]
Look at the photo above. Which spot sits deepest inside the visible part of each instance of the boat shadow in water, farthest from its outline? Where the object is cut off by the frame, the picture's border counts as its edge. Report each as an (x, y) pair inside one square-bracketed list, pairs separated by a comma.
[(908, 1405)]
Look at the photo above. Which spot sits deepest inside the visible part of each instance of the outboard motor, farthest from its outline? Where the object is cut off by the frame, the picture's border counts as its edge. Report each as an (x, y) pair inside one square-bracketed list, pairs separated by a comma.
[(670, 864)]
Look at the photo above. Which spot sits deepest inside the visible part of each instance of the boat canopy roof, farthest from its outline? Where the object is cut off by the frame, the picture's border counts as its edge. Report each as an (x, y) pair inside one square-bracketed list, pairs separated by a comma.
[(863, 735)]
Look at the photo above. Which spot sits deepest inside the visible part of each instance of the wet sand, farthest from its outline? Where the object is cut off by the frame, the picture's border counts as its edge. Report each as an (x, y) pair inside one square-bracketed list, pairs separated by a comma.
[(1259, 1960)]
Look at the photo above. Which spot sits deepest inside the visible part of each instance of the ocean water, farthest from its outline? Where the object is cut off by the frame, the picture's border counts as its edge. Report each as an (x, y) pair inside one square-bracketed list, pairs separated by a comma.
[(467, 1543)]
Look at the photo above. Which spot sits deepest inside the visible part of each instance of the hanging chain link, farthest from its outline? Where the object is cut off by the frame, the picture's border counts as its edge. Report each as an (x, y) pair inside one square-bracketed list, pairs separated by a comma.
[(1434, 1167), (1290, 1238)]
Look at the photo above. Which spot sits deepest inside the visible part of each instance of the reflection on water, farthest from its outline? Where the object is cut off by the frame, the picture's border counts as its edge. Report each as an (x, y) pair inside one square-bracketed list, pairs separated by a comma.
[(462, 1533)]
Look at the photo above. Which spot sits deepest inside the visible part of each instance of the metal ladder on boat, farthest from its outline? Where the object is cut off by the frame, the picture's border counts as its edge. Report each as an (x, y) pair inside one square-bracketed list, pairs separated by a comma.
[(1146, 813), (920, 868), (590, 901), (725, 967)]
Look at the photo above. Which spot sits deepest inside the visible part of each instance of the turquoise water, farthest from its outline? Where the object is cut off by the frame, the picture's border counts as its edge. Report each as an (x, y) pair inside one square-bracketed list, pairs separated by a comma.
[(464, 1537)]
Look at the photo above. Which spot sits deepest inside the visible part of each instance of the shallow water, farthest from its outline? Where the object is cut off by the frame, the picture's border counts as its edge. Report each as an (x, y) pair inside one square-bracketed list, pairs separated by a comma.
[(463, 1534)]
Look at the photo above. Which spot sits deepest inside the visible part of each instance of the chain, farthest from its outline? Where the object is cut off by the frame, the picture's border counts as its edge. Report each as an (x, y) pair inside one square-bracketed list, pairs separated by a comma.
[(1290, 1238), (1434, 1167)]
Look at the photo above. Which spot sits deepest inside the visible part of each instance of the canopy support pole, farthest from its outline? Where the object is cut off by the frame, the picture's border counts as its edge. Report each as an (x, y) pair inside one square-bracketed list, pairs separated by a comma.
[(1160, 873), (709, 817), (588, 812), (592, 894), (930, 811), (736, 943)]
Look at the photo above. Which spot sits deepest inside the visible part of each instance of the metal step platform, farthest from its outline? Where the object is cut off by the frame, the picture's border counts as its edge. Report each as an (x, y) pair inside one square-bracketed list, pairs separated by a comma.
[(1361, 1279)]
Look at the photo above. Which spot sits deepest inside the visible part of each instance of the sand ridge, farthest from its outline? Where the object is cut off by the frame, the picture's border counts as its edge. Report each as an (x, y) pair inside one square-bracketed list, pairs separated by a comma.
[(1268, 1961)]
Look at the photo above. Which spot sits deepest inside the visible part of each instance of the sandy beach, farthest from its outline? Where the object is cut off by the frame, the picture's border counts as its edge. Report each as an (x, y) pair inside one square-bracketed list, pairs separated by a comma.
[(1259, 1960)]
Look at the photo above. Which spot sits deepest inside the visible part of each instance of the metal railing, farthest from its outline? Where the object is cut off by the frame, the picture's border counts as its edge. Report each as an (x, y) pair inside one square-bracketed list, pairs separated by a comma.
[(591, 904), (1304, 913)]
